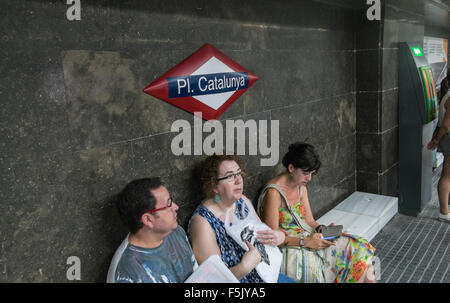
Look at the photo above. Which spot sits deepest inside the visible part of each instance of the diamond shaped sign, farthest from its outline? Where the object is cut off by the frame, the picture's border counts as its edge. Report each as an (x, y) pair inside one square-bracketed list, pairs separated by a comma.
[(207, 82)]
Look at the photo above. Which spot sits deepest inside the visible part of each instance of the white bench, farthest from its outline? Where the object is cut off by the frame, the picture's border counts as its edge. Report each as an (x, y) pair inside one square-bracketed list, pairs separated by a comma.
[(362, 214)]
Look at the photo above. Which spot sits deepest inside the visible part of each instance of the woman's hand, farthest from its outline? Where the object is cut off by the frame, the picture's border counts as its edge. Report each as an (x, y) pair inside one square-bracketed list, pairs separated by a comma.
[(315, 241), (432, 144), (251, 258), (270, 237)]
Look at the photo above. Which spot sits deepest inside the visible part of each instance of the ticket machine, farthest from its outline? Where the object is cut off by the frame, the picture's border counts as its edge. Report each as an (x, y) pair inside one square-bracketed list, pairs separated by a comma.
[(418, 112)]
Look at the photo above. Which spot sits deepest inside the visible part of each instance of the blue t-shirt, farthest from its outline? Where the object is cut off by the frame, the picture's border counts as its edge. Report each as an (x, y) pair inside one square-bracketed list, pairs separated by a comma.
[(172, 262)]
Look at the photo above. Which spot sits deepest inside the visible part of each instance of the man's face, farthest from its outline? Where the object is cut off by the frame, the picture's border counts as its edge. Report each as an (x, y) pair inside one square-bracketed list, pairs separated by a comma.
[(165, 220)]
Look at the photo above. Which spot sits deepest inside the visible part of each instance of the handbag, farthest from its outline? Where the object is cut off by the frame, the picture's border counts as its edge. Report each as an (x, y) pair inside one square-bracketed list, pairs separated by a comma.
[(243, 227)]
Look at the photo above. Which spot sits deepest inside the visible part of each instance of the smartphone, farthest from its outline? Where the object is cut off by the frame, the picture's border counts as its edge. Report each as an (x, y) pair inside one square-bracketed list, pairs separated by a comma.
[(330, 238), (332, 232)]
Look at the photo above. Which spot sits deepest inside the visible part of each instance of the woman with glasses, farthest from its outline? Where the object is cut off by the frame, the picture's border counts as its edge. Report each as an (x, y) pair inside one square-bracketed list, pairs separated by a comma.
[(284, 205), (222, 182)]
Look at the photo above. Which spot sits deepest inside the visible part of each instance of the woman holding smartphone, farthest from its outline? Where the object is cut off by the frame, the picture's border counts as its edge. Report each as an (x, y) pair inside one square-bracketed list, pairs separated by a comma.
[(284, 205)]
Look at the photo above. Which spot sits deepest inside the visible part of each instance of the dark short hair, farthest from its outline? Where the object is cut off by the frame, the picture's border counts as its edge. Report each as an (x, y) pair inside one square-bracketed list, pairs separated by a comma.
[(136, 199), (210, 171), (302, 155)]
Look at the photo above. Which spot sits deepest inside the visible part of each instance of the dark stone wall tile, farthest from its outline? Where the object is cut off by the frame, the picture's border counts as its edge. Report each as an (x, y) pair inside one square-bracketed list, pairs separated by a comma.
[(255, 184), (106, 104), (367, 109), (297, 38), (368, 32), (109, 165), (398, 8), (389, 182), (403, 22), (301, 71), (368, 152), (34, 109), (389, 109), (333, 195), (59, 225), (338, 161), (368, 73), (317, 122), (389, 148), (390, 33), (390, 69), (368, 182), (411, 31), (295, 125)]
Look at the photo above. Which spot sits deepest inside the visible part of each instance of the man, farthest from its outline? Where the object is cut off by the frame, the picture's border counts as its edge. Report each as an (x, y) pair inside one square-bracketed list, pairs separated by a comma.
[(156, 249)]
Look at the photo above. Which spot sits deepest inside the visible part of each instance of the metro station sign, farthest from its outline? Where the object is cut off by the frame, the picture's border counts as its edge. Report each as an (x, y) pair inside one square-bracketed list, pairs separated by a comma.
[(207, 82)]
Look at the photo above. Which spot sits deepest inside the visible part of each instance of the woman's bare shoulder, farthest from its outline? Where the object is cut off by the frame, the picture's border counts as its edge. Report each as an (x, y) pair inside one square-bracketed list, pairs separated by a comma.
[(278, 180)]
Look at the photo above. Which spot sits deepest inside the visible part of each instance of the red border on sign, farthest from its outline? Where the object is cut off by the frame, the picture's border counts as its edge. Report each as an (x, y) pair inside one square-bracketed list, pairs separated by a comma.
[(159, 87)]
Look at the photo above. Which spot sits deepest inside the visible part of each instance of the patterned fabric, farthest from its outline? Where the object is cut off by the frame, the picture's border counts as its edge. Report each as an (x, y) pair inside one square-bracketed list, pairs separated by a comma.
[(230, 251), (171, 262), (344, 262)]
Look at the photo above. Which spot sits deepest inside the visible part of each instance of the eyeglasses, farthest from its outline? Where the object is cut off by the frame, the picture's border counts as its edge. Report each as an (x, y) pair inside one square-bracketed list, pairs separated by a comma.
[(232, 177), (169, 204)]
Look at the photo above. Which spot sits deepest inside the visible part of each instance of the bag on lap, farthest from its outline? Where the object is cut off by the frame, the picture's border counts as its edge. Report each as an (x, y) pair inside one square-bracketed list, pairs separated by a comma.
[(242, 227)]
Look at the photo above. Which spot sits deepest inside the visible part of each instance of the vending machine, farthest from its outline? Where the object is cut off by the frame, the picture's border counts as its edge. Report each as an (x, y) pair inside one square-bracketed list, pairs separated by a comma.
[(418, 112)]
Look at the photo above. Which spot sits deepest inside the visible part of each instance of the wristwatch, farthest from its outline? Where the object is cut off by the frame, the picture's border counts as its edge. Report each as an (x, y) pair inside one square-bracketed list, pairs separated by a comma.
[(301, 242)]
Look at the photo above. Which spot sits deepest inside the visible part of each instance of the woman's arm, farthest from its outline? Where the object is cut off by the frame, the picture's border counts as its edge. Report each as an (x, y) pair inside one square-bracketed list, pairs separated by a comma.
[(203, 239), (271, 204), (444, 129), (270, 215), (308, 213), (204, 244)]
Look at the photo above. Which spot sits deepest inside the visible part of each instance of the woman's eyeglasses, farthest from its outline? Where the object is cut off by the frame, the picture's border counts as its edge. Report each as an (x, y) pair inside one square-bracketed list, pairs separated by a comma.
[(231, 177)]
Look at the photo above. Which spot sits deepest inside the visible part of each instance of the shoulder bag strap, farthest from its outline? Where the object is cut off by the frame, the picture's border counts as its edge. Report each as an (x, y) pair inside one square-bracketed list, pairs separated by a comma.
[(297, 219)]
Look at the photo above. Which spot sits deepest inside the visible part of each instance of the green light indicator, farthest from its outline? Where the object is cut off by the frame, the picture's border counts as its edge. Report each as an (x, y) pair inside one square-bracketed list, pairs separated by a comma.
[(417, 51)]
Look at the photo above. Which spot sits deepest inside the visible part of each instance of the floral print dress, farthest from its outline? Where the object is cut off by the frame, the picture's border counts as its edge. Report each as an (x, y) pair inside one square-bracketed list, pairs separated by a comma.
[(344, 262)]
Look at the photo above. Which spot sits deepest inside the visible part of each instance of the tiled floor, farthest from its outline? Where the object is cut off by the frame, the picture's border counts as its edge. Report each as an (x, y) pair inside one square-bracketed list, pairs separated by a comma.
[(415, 249)]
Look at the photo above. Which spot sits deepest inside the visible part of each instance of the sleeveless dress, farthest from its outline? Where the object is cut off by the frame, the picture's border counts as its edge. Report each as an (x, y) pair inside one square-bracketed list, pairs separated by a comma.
[(344, 262), (230, 251)]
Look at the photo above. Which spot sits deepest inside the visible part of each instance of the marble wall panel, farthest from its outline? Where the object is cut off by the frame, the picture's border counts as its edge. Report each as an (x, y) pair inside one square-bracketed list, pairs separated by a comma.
[(389, 109), (368, 152), (389, 148), (389, 182), (367, 112), (368, 70), (368, 182)]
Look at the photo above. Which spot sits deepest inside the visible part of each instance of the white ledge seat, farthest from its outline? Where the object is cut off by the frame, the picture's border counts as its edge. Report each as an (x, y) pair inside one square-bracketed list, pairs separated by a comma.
[(362, 214)]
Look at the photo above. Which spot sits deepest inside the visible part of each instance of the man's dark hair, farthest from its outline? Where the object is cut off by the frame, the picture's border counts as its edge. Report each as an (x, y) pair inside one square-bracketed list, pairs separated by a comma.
[(136, 199), (302, 155)]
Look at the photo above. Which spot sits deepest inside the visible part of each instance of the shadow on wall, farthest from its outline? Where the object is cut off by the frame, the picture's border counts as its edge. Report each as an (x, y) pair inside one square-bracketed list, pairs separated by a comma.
[(110, 232)]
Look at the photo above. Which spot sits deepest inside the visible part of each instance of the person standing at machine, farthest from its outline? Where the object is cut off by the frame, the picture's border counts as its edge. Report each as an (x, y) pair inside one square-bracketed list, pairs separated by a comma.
[(441, 140)]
